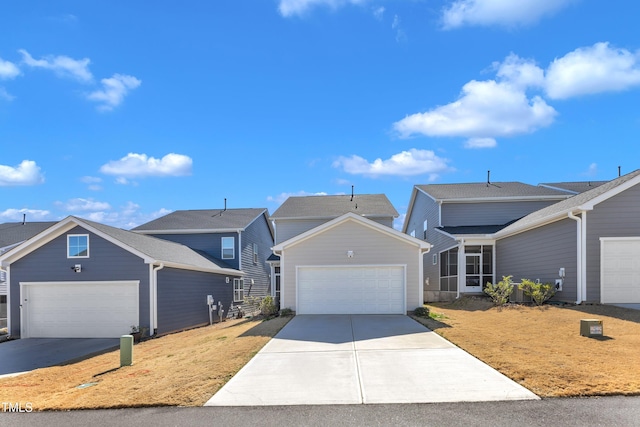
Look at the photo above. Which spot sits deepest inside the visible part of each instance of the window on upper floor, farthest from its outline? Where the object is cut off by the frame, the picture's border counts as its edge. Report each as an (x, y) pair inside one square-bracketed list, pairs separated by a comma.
[(424, 230), (238, 290), (413, 233), (228, 248), (78, 246), (255, 253)]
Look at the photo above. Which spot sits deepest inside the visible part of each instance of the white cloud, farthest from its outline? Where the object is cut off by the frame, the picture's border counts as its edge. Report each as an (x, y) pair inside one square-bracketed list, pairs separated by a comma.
[(129, 216), (407, 163), (401, 36), (592, 170), (498, 12), (8, 70), (140, 165), (18, 215), (480, 143), (284, 196), (93, 182), (521, 73), (26, 173), (84, 205), (113, 91), (485, 109), (300, 7), (63, 66), (378, 13), (594, 69), (6, 95), (399, 222)]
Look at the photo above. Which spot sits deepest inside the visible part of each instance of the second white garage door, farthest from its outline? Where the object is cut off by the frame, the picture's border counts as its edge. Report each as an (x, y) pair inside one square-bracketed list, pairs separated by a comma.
[(351, 290), (78, 309), (620, 270)]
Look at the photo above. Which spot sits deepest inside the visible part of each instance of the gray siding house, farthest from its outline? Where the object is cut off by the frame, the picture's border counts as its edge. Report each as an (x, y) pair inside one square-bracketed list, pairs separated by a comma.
[(239, 239), (459, 221), (11, 235), (81, 279), (588, 244), (341, 255)]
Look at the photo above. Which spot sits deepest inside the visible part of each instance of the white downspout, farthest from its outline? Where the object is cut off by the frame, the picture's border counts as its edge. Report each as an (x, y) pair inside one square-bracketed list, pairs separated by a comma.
[(584, 255), (461, 267), (579, 297), (153, 307)]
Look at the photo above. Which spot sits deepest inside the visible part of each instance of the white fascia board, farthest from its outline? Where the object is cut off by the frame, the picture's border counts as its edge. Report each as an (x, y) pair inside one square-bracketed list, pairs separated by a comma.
[(352, 217), (543, 221), (191, 231), (445, 233), (507, 199), (608, 194)]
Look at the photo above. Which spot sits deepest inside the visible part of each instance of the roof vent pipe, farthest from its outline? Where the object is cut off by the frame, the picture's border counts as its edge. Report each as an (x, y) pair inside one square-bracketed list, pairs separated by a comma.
[(619, 172), (352, 193), (24, 218), (225, 207)]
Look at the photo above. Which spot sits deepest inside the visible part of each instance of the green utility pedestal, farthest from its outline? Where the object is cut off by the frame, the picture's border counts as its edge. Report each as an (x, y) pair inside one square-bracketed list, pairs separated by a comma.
[(126, 350)]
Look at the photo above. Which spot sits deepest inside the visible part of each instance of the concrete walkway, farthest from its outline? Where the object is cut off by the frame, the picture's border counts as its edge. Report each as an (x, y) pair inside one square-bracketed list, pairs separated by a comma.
[(343, 359)]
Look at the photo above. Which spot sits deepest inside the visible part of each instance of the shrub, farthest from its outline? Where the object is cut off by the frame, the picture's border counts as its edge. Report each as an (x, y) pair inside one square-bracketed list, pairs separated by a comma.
[(268, 306), (286, 312), (539, 292), (501, 291), (421, 312)]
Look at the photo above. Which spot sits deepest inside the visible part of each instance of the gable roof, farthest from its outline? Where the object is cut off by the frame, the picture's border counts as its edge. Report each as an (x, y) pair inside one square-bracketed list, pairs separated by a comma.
[(581, 202), (495, 191), (353, 217), (153, 250), (12, 233), (574, 187), (204, 221), (322, 207)]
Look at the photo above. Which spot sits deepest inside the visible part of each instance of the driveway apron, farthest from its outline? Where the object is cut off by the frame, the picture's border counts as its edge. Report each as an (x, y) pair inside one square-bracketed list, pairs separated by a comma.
[(354, 359)]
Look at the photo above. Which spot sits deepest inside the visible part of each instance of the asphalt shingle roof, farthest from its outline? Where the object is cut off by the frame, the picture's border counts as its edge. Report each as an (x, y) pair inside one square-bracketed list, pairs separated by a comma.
[(575, 187), (492, 191), (204, 219), (568, 205), (16, 232), (368, 205), (158, 249)]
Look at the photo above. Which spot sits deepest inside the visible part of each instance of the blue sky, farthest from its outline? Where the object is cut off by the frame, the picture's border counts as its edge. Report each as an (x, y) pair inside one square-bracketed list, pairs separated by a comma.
[(123, 111)]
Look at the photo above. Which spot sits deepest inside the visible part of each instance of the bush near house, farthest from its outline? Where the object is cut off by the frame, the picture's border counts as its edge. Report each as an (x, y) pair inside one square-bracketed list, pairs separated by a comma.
[(539, 292), (501, 291)]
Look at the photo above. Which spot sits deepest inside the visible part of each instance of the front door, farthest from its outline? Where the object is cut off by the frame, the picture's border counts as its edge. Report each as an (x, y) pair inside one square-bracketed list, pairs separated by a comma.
[(473, 271)]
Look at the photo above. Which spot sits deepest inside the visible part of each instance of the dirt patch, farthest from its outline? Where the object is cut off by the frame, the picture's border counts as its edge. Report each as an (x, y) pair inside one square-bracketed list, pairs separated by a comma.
[(183, 369), (542, 349)]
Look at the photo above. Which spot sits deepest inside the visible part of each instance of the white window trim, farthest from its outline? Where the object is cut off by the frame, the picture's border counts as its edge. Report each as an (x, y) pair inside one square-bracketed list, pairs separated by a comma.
[(435, 259), (424, 229), (233, 247), (77, 235), (237, 282)]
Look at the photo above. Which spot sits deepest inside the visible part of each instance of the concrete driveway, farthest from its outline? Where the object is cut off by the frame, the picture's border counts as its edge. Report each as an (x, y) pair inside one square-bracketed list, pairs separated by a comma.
[(17, 356), (344, 359)]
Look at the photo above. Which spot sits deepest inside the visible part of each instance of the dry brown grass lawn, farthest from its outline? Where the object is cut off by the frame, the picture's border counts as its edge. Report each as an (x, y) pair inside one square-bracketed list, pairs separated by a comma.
[(542, 349), (183, 369)]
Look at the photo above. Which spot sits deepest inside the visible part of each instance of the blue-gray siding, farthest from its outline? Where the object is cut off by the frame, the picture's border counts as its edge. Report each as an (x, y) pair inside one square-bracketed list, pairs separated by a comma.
[(49, 263), (618, 216), (210, 243), (182, 297), (539, 254), (488, 213), (425, 207), (257, 232)]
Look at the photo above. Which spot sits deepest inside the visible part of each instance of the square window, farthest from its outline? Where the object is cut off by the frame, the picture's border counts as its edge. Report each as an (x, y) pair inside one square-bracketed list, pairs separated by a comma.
[(228, 248), (238, 290), (78, 246)]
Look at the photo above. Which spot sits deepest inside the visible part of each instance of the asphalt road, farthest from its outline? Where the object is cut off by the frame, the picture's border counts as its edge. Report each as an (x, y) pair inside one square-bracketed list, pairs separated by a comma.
[(603, 411)]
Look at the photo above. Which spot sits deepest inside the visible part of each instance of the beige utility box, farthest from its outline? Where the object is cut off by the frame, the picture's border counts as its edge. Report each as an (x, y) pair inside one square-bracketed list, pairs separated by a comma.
[(591, 328)]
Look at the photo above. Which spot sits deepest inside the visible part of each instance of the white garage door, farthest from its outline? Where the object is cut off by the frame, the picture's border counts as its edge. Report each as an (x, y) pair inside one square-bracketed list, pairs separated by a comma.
[(351, 290), (78, 309), (620, 271)]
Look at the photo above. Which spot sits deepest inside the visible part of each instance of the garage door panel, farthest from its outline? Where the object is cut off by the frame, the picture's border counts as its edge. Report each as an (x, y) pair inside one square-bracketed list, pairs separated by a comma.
[(351, 290), (620, 266), (80, 309)]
